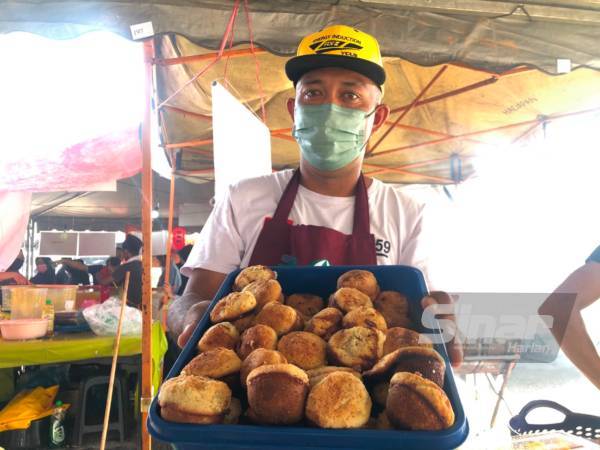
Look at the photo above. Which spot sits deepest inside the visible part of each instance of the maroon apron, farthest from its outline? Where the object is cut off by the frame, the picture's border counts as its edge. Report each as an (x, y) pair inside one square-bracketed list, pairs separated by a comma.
[(308, 243)]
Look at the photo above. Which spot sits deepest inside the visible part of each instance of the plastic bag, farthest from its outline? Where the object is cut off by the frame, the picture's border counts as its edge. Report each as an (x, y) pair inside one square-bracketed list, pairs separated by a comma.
[(28, 406), (103, 319)]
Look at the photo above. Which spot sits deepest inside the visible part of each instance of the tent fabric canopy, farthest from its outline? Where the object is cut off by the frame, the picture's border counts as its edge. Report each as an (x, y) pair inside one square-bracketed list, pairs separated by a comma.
[(484, 71), (464, 112), (485, 34)]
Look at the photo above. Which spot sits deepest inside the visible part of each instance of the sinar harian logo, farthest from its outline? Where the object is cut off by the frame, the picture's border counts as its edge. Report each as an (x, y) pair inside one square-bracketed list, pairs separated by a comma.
[(331, 45)]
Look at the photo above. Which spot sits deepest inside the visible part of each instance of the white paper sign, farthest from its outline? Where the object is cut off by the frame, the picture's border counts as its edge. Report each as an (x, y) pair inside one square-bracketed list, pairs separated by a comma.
[(97, 244), (58, 243), (241, 142), (142, 30)]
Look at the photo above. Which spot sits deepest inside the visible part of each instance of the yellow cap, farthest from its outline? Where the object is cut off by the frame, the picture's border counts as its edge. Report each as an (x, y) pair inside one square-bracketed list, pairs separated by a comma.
[(338, 46)]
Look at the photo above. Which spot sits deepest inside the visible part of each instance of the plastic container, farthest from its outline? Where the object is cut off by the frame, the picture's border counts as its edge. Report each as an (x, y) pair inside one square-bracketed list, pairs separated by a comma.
[(27, 303), (60, 295), (320, 281), (8, 293), (19, 329), (48, 313), (56, 438)]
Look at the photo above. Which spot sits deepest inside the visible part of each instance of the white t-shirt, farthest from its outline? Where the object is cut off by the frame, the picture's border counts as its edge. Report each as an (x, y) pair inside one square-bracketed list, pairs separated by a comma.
[(230, 234)]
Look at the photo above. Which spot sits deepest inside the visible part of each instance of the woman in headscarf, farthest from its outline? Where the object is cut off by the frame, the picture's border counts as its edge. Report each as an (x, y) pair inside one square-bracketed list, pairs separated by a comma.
[(45, 271)]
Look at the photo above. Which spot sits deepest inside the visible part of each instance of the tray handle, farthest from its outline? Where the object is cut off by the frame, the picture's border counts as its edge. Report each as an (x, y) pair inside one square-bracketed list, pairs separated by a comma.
[(543, 404)]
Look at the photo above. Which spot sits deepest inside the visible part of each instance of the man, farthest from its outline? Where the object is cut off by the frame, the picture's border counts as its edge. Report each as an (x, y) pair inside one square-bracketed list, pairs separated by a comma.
[(568, 326), (132, 264), (325, 210)]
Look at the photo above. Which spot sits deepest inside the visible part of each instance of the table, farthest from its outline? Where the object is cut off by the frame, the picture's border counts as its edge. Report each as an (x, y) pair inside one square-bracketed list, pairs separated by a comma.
[(65, 348), (70, 347)]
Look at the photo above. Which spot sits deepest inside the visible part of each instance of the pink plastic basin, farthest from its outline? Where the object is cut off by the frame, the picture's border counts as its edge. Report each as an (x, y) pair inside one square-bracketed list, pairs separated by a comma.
[(13, 330)]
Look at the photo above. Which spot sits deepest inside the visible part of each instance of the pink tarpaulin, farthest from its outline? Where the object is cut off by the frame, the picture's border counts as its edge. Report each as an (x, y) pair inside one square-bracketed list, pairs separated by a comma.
[(13, 224), (110, 157)]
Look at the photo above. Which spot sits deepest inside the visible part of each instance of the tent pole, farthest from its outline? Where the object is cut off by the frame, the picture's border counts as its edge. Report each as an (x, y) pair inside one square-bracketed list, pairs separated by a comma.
[(147, 251), (215, 55), (439, 73), (169, 248), (480, 132), (448, 94)]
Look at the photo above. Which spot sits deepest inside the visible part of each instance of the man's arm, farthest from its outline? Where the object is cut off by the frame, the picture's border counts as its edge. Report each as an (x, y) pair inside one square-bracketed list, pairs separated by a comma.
[(16, 276), (190, 307), (74, 264), (568, 327)]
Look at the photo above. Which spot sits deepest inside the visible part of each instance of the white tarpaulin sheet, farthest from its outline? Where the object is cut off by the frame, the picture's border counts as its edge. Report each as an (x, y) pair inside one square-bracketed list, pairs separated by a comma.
[(242, 143)]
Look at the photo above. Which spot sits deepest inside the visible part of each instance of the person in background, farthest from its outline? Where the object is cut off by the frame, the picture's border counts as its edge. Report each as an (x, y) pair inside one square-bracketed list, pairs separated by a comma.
[(182, 256), (174, 275), (11, 275), (568, 326), (132, 247), (73, 271), (104, 276), (45, 271)]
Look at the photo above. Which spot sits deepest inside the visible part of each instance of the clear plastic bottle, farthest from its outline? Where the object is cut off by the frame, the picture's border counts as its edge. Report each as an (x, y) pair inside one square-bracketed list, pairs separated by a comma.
[(48, 313), (57, 427)]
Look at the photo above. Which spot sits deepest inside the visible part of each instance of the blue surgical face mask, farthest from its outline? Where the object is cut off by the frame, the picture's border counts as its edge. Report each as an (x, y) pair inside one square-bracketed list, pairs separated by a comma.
[(330, 136)]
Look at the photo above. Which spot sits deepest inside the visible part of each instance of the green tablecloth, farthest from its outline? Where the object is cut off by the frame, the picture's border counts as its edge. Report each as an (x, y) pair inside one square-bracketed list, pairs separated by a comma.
[(80, 346)]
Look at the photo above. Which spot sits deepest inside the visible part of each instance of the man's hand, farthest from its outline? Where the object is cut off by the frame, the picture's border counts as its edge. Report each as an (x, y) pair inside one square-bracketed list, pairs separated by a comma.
[(186, 311), (18, 278), (454, 347), (192, 318)]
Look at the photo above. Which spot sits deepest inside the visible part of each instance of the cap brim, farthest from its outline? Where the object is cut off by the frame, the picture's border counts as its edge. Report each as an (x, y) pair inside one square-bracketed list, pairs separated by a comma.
[(299, 65)]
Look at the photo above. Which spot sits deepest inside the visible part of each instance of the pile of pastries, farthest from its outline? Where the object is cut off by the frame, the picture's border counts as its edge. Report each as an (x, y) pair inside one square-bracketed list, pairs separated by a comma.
[(268, 359)]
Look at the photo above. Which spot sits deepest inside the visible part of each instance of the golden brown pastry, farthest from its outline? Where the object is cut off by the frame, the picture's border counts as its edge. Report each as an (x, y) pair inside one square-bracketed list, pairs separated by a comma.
[(306, 350), (233, 306), (260, 357), (399, 337), (233, 414), (216, 363), (363, 280), (394, 307), (416, 403), (306, 304), (281, 318), (423, 360), (277, 394), (258, 336), (265, 291), (325, 323), (364, 317), (253, 273), (223, 334), (346, 299), (318, 374), (194, 399), (357, 347), (340, 400)]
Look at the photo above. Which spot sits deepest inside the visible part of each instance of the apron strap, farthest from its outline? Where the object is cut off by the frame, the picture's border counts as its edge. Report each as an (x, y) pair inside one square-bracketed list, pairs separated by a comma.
[(286, 202), (362, 223)]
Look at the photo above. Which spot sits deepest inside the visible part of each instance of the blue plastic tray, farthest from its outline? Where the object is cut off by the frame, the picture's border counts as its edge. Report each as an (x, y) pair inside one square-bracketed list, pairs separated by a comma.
[(320, 281)]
